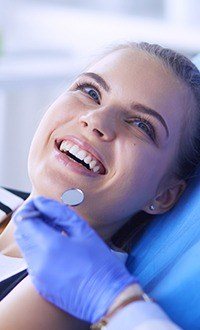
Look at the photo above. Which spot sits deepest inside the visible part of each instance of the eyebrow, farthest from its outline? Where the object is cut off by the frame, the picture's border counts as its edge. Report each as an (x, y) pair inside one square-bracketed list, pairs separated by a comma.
[(134, 106), (98, 79), (144, 109)]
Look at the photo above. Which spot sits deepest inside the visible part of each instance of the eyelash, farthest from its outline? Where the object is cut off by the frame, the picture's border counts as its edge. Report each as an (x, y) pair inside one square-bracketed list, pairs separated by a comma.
[(81, 86), (152, 130)]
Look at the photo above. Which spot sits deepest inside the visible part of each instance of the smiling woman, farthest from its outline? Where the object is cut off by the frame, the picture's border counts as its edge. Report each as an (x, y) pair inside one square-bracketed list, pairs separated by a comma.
[(126, 132)]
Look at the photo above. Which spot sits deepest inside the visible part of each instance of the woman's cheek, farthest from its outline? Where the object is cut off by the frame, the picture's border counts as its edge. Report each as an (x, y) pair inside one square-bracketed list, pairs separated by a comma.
[(66, 109)]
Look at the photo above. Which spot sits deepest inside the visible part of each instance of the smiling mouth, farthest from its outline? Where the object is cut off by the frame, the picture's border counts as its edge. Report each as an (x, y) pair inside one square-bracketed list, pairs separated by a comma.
[(101, 170)]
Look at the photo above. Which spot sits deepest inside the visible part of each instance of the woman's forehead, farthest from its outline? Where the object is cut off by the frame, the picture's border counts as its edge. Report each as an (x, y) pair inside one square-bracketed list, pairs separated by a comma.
[(132, 69), (134, 74), (124, 60)]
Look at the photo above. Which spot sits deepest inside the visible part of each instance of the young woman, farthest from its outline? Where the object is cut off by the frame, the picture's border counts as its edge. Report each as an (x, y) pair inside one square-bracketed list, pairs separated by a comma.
[(133, 115)]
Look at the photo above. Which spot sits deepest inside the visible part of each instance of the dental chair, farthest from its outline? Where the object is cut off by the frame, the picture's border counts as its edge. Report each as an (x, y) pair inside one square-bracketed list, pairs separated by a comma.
[(166, 259)]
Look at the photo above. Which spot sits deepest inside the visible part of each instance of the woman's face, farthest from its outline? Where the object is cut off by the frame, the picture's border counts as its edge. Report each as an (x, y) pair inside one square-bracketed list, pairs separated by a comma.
[(129, 108)]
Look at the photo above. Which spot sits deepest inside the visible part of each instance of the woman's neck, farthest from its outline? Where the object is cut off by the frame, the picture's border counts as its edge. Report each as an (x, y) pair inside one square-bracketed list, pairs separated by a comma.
[(8, 245)]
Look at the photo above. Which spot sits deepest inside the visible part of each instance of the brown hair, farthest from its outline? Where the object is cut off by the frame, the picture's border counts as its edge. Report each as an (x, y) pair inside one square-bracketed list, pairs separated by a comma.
[(188, 155)]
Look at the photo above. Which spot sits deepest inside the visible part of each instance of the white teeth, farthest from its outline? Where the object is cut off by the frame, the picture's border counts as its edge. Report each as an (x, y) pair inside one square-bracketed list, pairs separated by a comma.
[(81, 154), (73, 150), (92, 164), (96, 168), (87, 159), (65, 146)]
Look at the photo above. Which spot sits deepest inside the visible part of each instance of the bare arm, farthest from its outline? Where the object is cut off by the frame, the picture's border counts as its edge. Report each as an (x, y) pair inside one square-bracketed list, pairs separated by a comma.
[(23, 308)]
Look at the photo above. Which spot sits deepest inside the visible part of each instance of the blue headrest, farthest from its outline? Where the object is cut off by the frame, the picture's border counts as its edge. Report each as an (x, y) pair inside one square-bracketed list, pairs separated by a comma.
[(166, 259)]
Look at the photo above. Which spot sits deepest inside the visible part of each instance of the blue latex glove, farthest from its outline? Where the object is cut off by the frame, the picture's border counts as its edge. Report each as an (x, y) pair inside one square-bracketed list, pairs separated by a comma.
[(78, 273)]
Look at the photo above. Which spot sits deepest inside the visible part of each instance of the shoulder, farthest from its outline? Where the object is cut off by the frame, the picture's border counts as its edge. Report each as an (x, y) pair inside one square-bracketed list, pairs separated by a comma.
[(10, 199)]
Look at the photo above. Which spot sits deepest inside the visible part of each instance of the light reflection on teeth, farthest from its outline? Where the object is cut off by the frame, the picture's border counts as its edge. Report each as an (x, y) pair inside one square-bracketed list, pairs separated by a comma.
[(73, 150), (96, 168), (92, 164), (81, 155), (65, 146), (87, 159)]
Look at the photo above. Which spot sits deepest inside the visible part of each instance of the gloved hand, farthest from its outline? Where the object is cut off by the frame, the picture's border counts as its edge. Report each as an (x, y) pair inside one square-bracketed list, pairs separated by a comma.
[(76, 272)]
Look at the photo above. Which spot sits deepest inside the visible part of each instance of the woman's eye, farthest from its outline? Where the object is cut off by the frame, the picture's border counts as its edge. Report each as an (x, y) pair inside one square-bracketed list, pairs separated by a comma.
[(89, 90), (146, 127), (92, 93)]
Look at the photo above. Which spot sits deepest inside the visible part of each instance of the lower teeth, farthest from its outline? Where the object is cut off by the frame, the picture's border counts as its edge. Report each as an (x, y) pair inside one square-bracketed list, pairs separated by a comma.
[(78, 160)]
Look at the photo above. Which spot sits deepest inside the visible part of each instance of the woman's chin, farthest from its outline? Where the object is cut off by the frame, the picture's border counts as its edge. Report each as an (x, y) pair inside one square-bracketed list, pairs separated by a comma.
[(48, 193)]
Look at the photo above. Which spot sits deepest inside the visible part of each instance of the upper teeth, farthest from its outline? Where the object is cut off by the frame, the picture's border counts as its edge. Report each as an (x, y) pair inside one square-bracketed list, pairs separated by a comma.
[(80, 154)]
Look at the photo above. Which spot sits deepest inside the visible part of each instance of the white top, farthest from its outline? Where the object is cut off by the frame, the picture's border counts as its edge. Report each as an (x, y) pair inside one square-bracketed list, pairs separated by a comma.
[(140, 315), (10, 266), (10, 200)]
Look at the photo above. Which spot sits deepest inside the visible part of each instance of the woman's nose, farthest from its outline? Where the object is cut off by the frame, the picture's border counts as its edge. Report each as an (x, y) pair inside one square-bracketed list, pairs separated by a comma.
[(101, 122)]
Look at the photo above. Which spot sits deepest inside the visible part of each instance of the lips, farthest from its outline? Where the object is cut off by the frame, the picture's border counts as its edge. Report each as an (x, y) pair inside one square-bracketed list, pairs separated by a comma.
[(88, 148)]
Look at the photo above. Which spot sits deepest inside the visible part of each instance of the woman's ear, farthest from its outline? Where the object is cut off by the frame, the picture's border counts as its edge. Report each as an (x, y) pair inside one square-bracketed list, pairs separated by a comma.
[(166, 198)]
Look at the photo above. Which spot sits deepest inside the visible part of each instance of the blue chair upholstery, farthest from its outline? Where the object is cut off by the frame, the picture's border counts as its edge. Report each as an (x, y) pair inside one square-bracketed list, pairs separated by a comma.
[(166, 259)]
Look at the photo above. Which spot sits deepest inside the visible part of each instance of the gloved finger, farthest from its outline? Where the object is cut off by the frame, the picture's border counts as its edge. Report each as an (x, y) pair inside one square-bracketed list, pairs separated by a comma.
[(28, 206), (25, 214), (62, 216), (35, 236)]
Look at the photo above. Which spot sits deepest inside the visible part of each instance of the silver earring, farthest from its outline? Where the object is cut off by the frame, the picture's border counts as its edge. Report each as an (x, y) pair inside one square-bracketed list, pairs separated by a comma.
[(152, 207)]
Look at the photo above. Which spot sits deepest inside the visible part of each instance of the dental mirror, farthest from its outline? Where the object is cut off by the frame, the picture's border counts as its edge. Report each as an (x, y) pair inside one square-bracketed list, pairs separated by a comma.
[(73, 197)]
